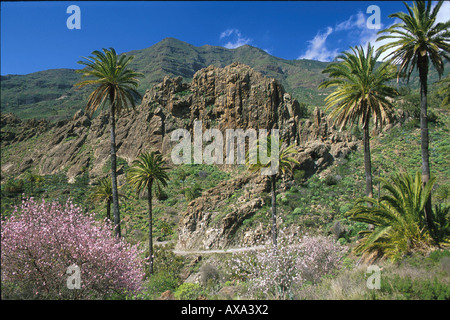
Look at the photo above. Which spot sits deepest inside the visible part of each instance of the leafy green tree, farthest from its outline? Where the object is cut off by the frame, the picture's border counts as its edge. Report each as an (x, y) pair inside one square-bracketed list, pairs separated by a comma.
[(416, 41), (286, 162), (147, 170), (362, 92), (117, 84), (398, 217)]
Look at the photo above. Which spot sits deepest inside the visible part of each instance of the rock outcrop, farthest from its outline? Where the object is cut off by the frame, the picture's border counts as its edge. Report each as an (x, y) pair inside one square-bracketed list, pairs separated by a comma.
[(234, 97), (206, 225)]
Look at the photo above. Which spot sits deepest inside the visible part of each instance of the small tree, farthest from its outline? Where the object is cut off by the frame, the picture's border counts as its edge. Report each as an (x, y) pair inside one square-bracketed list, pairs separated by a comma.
[(103, 193), (398, 217), (40, 241), (145, 171), (275, 273), (285, 163)]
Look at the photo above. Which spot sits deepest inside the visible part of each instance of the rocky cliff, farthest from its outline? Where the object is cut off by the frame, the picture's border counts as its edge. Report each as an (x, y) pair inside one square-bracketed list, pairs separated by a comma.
[(233, 97)]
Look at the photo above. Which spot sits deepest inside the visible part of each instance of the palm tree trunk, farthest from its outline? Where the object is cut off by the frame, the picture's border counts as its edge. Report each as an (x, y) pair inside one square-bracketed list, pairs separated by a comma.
[(150, 227), (115, 195), (423, 75), (274, 210), (108, 210), (367, 161), (368, 165)]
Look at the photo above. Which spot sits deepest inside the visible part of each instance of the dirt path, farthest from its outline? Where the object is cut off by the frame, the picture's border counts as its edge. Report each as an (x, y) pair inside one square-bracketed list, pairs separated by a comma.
[(230, 250)]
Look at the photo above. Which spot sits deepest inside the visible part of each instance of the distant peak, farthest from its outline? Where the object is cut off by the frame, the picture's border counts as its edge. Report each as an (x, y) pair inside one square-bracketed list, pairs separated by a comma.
[(172, 40)]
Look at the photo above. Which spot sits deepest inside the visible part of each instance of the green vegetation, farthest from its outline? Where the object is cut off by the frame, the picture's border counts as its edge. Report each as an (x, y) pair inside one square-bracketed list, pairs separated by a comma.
[(147, 170), (361, 93), (103, 193), (399, 219), (411, 247), (286, 162), (117, 84), (417, 40)]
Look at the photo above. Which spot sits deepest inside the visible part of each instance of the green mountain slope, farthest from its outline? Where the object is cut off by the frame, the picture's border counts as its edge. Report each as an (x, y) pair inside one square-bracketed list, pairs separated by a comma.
[(50, 94)]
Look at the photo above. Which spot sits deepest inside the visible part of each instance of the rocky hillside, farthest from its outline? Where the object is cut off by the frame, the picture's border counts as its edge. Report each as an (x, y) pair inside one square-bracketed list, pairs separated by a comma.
[(233, 97)]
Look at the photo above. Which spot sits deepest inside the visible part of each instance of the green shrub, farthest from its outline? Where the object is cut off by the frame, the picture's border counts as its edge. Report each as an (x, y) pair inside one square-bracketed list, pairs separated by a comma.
[(356, 131), (298, 211), (188, 291), (160, 282), (331, 180), (299, 176), (442, 193), (422, 289)]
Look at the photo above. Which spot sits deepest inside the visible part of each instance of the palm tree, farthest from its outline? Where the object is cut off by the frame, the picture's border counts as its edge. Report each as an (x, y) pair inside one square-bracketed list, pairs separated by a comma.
[(147, 170), (103, 193), (400, 226), (116, 84), (416, 41), (286, 162), (362, 92)]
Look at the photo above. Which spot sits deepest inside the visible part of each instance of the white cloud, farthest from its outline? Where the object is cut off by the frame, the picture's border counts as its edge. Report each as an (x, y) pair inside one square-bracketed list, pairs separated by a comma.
[(317, 49), (355, 21), (444, 13), (237, 41), (227, 33), (355, 28)]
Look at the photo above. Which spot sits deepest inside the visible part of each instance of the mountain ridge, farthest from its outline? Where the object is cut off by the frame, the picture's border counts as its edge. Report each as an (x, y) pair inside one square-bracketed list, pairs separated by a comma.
[(36, 95), (50, 93)]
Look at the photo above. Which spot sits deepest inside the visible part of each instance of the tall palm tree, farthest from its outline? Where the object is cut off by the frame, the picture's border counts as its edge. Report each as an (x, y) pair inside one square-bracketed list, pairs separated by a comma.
[(416, 41), (146, 171), (117, 84), (362, 92), (286, 162), (400, 226)]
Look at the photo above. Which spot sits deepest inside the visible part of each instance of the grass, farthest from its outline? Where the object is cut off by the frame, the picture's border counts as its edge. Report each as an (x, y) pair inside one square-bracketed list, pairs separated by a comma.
[(315, 204), (414, 278)]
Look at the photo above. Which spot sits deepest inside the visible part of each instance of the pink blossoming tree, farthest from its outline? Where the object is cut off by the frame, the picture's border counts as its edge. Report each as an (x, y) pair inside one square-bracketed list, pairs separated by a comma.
[(40, 241)]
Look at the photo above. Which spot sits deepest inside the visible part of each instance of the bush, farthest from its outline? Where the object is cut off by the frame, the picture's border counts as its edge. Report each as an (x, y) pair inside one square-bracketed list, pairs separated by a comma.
[(160, 282), (188, 291), (412, 289), (208, 273), (275, 273), (331, 180), (41, 240)]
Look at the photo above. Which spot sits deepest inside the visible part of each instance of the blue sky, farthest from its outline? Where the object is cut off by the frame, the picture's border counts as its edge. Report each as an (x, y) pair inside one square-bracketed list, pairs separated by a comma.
[(35, 37)]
